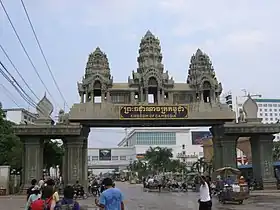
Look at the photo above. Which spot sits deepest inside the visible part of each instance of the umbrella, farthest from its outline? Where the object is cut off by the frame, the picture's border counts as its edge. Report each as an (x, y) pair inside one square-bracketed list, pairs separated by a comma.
[(228, 170)]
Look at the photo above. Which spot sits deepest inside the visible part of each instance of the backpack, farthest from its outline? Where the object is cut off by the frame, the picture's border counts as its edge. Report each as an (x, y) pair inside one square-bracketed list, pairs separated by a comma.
[(65, 206), (40, 204)]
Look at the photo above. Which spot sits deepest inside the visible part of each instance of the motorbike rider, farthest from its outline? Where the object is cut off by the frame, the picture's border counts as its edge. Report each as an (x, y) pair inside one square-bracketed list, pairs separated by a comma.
[(79, 188), (95, 187)]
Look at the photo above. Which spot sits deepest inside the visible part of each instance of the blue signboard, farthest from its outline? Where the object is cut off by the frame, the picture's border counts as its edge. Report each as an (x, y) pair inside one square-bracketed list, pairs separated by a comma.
[(199, 136)]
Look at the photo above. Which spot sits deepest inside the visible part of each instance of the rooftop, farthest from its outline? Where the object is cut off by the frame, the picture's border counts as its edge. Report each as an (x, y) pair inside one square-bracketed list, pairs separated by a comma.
[(267, 100)]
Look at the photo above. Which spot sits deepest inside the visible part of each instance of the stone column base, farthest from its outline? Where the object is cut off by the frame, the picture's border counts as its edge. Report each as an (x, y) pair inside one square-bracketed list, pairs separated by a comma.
[(269, 184)]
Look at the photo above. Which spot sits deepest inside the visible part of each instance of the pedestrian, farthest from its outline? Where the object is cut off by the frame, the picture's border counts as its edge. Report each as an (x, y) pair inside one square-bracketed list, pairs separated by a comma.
[(29, 190), (68, 201), (33, 197), (46, 201), (111, 198), (205, 202)]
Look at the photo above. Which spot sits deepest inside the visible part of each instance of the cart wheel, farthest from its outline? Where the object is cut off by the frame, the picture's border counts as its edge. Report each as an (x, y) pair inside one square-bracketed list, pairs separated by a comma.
[(240, 202)]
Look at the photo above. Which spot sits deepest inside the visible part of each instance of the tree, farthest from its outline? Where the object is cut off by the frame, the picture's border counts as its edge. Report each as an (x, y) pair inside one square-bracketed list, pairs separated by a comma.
[(200, 166), (276, 150), (55, 152), (10, 145), (158, 157)]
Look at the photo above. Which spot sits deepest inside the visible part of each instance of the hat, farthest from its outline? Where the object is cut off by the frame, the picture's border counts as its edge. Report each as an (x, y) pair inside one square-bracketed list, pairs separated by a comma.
[(35, 188), (242, 177)]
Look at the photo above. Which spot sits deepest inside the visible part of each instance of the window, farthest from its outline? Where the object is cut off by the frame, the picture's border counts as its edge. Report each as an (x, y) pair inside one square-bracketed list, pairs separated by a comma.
[(260, 114), (94, 158), (270, 114), (275, 114), (274, 105), (265, 114), (156, 138), (265, 110), (265, 105), (270, 110), (269, 105), (184, 152), (266, 119), (271, 119), (260, 110), (25, 117), (183, 146), (122, 157), (115, 157), (275, 110), (88, 158), (260, 105)]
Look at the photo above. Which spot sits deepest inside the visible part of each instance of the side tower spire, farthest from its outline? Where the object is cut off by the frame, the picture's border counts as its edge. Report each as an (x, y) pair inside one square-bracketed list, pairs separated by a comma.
[(202, 78), (97, 77)]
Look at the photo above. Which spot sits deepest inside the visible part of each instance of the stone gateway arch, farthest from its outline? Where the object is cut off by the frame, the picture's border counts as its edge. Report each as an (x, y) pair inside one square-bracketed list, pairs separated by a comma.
[(191, 103)]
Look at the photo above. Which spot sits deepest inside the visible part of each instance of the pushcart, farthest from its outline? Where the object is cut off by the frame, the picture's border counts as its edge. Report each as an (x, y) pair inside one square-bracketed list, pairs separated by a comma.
[(229, 193)]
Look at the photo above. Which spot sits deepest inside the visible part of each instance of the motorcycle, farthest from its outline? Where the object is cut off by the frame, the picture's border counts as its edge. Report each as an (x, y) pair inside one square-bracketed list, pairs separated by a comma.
[(79, 193), (95, 190)]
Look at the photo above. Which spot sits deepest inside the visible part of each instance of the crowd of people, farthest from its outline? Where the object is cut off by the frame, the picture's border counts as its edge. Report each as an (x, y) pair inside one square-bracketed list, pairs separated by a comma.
[(43, 195)]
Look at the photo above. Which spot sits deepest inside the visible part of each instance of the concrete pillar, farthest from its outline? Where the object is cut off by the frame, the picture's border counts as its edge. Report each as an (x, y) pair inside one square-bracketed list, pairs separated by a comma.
[(162, 96), (102, 96), (229, 144), (141, 95), (82, 98), (262, 159), (158, 96), (64, 163), (132, 97), (217, 146), (146, 96), (108, 97), (32, 159), (74, 160), (85, 163)]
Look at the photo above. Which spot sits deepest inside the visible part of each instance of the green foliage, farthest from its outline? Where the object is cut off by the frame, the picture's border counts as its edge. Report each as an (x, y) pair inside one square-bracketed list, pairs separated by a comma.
[(55, 152), (10, 145), (201, 166), (158, 158), (276, 150)]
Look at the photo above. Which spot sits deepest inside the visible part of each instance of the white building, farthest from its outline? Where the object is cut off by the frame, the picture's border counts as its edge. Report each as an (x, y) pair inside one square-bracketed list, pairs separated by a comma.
[(269, 111), (110, 158), (20, 116), (180, 140)]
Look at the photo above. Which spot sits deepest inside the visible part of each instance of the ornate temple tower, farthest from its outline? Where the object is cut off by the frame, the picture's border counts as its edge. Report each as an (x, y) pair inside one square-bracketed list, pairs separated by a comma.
[(97, 78), (150, 77), (201, 78)]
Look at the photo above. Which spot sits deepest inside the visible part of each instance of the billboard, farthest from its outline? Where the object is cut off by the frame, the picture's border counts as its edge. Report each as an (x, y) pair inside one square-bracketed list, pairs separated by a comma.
[(199, 136), (105, 154), (153, 112)]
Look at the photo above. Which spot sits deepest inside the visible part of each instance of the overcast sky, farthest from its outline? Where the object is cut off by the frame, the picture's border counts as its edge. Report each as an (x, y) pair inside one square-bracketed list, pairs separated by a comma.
[(241, 37)]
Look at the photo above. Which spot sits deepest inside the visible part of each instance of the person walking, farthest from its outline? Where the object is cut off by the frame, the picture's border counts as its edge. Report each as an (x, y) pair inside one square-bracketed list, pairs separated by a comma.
[(111, 198), (205, 202)]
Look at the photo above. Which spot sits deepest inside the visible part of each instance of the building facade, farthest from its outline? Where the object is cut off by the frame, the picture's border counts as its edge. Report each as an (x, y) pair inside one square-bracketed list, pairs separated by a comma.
[(180, 140), (269, 111), (110, 158), (20, 116)]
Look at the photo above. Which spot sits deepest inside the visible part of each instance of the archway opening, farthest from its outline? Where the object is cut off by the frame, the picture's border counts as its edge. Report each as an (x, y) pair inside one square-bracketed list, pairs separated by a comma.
[(97, 91), (152, 91), (206, 92)]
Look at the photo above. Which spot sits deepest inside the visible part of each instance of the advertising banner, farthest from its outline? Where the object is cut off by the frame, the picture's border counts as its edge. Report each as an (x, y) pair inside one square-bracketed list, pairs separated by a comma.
[(199, 136), (105, 154)]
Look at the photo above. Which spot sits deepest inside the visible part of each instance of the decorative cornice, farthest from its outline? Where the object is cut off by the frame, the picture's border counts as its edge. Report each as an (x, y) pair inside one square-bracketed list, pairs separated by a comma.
[(47, 130), (241, 129)]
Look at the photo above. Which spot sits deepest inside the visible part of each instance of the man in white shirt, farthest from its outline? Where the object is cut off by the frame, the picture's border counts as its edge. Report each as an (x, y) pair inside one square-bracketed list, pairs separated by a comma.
[(205, 202)]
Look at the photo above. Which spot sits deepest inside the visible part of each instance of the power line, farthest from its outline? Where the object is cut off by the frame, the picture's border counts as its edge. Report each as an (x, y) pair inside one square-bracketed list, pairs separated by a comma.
[(9, 95), (18, 88), (25, 51), (42, 52), (11, 62)]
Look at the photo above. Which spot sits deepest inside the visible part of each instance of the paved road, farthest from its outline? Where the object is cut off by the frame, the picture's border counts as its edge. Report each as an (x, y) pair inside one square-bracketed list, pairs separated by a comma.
[(136, 199)]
